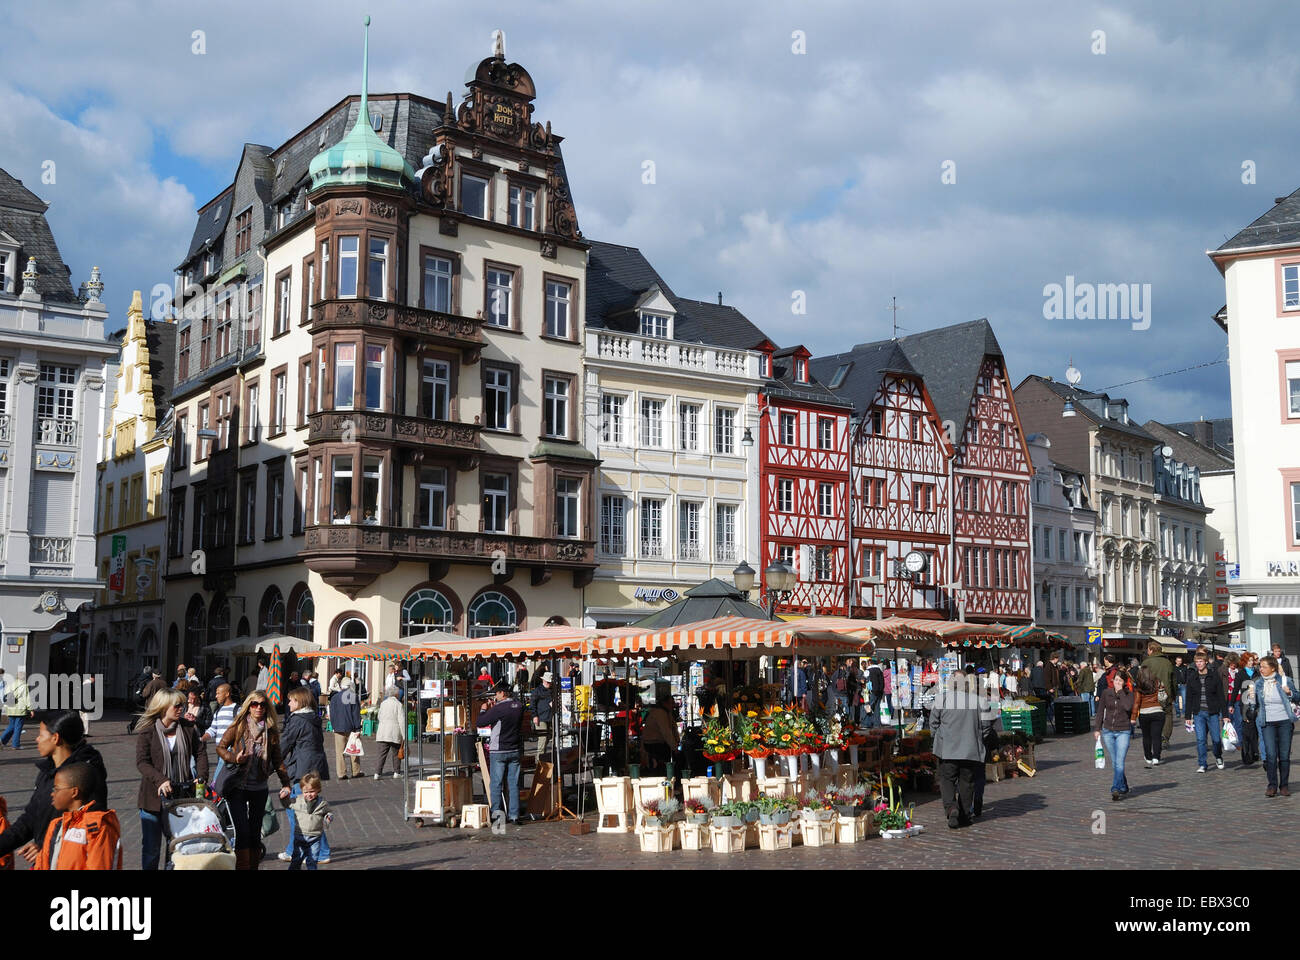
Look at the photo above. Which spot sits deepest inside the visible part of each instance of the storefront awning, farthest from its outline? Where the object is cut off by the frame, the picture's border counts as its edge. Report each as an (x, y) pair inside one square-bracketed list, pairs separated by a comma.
[(1281, 603)]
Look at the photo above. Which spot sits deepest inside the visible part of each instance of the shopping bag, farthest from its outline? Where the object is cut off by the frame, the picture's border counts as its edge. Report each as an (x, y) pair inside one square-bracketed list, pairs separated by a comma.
[(1100, 754), (1229, 736), (354, 748)]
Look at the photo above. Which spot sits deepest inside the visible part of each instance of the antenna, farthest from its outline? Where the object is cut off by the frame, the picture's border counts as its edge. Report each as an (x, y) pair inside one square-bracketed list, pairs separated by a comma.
[(894, 307)]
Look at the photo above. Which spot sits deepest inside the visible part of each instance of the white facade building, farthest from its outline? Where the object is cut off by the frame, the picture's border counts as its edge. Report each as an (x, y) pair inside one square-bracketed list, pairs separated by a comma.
[(1261, 271), (1064, 541), (54, 360)]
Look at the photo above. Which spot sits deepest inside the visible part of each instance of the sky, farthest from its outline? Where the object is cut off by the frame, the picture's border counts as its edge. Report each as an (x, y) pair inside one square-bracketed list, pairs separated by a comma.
[(828, 155)]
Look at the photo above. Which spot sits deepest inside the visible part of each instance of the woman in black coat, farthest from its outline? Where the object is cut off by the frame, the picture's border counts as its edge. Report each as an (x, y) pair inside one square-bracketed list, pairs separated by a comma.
[(168, 752), (61, 739), (302, 741)]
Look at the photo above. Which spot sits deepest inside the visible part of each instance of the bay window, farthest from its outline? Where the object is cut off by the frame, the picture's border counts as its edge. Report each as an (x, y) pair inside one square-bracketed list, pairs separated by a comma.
[(371, 489), (496, 502), (348, 253), (568, 491), (341, 496), (377, 269), (374, 377), (435, 389), (431, 506), (437, 284), (345, 366)]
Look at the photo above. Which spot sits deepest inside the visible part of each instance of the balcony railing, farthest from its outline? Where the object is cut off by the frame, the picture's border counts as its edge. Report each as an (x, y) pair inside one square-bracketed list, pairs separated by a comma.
[(374, 425), (464, 332), (725, 552), (415, 544), (51, 550), (689, 550), (632, 348), (56, 432), (613, 546), (4, 427), (652, 549)]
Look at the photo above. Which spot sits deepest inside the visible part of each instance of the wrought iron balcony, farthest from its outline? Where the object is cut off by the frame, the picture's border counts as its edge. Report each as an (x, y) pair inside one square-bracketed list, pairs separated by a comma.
[(56, 432), (446, 329), (51, 550)]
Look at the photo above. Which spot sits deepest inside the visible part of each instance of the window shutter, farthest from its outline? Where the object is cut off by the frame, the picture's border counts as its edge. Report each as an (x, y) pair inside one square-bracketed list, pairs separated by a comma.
[(51, 503)]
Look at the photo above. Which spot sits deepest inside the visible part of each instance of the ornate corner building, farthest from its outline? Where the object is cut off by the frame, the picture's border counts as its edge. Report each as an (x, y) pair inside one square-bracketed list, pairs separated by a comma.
[(389, 440), (54, 360)]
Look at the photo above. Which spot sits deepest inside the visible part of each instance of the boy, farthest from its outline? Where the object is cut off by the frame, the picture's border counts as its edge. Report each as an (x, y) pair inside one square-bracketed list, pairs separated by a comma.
[(82, 838), (311, 814)]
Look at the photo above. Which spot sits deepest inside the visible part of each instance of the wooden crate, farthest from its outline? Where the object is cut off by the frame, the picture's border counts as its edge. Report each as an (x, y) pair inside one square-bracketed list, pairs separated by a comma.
[(657, 839), (694, 836), (818, 833), (432, 798), (772, 836), (727, 839)]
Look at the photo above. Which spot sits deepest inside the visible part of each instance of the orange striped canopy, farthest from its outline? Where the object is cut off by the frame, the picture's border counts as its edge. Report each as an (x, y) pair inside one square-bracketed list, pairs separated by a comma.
[(727, 637), (378, 650), (538, 642)]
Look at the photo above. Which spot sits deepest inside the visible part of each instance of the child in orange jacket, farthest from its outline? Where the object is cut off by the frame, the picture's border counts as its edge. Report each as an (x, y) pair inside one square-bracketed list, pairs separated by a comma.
[(7, 861), (82, 838)]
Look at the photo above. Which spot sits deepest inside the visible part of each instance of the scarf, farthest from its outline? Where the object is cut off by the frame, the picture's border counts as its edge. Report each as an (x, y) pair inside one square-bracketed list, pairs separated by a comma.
[(255, 743), (178, 759)]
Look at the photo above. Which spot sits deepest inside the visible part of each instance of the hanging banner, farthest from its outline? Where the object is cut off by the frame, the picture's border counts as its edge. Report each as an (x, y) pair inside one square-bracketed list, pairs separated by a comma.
[(117, 566)]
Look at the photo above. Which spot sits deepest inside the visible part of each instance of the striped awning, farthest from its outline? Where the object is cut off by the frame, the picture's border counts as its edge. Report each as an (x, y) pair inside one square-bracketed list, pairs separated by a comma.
[(741, 638), (1285, 603), (379, 650), (538, 642)]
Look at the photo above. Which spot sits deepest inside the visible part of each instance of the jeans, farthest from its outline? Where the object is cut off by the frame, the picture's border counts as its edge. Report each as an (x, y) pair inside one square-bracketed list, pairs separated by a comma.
[(873, 718), (1182, 697), (150, 839), (323, 844), (1116, 743), (504, 765), (306, 850), (1151, 725), (1092, 704), (1208, 728), (1277, 751), (15, 729)]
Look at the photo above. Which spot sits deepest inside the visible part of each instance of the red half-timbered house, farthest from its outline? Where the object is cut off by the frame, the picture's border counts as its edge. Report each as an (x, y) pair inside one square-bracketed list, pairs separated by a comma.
[(803, 482), (965, 373), (900, 482)]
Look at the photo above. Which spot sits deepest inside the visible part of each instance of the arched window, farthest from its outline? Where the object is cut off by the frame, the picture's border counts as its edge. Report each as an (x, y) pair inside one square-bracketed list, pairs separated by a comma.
[(196, 627), (304, 615), (218, 622), (272, 619), (426, 609), (353, 630), (492, 613)]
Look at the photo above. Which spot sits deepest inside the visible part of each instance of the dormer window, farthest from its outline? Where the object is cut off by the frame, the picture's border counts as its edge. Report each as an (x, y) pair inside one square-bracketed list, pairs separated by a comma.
[(801, 370), (474, 196), (764, 365), (654, 325), (841, 372), (6, 275)]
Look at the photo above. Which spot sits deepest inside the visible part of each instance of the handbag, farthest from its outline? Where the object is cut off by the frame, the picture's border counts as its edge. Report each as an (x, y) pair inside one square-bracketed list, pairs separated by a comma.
[(225, 778), (1161, 695), (401, 751)]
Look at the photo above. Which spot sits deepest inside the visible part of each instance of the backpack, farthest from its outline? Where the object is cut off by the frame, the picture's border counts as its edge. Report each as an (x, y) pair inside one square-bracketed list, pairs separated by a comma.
[(840, 685)]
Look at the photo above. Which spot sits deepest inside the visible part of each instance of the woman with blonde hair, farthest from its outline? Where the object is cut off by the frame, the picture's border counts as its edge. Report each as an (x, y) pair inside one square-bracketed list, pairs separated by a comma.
[(168, 752), (251, 749)]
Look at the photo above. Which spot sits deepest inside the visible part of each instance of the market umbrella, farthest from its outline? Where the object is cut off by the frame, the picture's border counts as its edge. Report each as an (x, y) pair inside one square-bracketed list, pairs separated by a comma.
[(284, 642), (728, 637), (273, 677)]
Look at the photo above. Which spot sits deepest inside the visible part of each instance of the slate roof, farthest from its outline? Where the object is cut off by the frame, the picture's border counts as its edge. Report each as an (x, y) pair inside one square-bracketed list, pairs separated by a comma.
[(1280, 224), (617, 276), (1188, 449), (1222, 427), (22, 216), (950, 358), (1082, 400), (212, 222), (161, 337), (868, 363)]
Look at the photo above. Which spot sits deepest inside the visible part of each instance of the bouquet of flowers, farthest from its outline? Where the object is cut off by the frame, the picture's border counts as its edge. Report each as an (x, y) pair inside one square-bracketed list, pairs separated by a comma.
[(806, 735), (781, 732), (660, 811), (749, 735), (818, 801), (719, 744)]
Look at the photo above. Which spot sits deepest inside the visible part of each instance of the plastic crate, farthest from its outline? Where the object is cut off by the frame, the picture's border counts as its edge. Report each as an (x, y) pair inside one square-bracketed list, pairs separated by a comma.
[(1071, 717), (1032, 722)]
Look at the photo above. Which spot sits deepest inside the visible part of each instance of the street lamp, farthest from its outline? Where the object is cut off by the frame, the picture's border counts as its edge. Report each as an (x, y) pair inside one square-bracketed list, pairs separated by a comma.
[(744, 576), (747, 438), (778, 584)]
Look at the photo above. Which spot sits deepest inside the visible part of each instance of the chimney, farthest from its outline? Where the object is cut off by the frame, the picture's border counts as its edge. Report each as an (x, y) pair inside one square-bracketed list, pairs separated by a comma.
[(1204, 432), (719, 298)]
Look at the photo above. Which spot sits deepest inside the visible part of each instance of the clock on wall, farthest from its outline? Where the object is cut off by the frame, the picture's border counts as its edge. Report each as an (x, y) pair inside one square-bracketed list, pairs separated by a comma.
[(915, 561)]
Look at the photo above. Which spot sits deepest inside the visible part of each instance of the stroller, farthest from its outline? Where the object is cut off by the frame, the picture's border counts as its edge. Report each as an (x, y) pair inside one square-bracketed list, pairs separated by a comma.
[(199, 832)]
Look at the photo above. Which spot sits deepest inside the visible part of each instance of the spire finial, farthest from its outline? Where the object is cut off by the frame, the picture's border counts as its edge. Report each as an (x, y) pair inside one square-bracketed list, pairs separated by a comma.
[(499, 44), (365, 74)]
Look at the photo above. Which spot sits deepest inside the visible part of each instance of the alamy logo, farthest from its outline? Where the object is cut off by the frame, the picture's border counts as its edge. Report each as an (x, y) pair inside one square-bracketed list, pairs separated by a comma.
[(1098, 301), (60, 691), (77, 914)]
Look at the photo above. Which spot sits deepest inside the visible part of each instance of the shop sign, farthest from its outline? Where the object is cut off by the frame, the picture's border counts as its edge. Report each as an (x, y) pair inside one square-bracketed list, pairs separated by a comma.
[(117, 569), (654, 594), (1204, 611), (1282, 568), (1094, 635)]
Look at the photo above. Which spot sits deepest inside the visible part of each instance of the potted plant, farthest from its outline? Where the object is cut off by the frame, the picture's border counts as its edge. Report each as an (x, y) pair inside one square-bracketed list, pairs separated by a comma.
[(774, 810), (698, 809), (660, 813), (729, 814), (818, 806), (850, 800), (893, 819)]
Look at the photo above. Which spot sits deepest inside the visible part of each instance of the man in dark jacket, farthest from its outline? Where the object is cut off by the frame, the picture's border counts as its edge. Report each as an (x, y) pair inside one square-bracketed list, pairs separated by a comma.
[(1283, 662), (27, 831), (504, 716), (218, 678), (960, 731), (876, 683), (155, 684), (1163, 671), (1204, 708), (345, 718)]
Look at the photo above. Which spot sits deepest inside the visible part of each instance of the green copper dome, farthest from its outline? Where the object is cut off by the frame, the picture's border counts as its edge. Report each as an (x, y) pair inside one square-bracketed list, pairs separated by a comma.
[(361, 157)]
